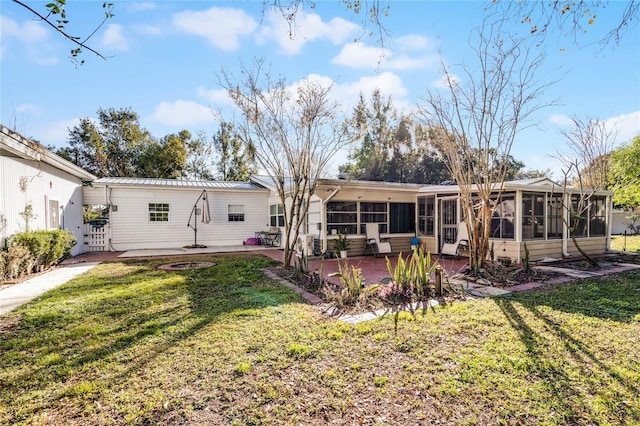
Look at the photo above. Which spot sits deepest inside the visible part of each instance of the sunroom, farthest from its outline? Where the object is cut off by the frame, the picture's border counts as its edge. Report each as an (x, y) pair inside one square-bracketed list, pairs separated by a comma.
[(528, 213)]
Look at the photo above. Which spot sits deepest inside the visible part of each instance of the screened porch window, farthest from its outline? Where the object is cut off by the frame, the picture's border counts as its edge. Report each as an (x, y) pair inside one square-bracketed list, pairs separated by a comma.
[(597, 217), (342, 216), (402, 218), (579, 214), (503, 217), (533, 216), (373, 213), (426, 215), (554, 216)]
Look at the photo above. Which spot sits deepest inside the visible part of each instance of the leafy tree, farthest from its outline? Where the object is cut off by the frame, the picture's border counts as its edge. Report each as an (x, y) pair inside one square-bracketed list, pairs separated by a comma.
[(392, 148), (374, 121), (164, 159), (625, 175), (111, 146), (200, 158), (233, 163)]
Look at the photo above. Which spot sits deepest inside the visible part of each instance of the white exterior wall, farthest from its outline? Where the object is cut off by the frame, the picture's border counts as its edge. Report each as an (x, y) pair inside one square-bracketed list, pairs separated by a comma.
[(620, 223), (131, 228), (44, 183)]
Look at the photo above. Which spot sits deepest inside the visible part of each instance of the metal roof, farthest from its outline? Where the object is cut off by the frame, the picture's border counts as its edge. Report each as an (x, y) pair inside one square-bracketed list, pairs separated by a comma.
[(13, 143), (177, 183)]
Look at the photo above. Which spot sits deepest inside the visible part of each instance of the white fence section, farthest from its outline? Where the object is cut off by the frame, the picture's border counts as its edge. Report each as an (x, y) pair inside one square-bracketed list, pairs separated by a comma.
[(96, 238)]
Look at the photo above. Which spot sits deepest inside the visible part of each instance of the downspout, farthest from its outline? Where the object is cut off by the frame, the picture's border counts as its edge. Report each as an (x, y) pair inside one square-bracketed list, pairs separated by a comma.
[(323, 218), (609, 220), (565, 224), (518, 226)]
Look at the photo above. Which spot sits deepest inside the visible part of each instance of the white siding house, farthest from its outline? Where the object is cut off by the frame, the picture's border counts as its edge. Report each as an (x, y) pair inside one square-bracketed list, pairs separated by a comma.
[(36, 179), (156, 213)]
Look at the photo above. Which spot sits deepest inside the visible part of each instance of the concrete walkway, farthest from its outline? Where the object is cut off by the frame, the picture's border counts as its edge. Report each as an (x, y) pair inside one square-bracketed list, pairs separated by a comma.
[(18, 294)]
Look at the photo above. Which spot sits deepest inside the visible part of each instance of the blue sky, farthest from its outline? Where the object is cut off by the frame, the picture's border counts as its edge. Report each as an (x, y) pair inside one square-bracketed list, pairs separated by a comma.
[(164, 59)]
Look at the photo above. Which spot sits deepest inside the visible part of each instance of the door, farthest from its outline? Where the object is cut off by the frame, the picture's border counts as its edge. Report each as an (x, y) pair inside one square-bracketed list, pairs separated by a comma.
[(448, 220)]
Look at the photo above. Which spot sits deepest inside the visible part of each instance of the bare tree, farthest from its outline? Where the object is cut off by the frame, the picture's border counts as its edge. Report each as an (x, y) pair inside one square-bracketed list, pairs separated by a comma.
[(570, 17), (293, 133), (585, 161), (371, 13), (476, 120)]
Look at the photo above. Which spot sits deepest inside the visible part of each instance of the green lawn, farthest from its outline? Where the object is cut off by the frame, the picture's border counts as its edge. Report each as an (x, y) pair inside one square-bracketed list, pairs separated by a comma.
[(129, 344), (631, 243)]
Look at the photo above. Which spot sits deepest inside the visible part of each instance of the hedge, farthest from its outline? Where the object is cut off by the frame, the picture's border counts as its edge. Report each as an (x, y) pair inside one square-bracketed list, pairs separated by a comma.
[(32, 251)]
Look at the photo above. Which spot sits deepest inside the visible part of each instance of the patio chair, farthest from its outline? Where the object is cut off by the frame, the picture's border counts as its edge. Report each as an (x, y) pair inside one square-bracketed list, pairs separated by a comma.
[(272, 237), (461, 243), (377, 246)]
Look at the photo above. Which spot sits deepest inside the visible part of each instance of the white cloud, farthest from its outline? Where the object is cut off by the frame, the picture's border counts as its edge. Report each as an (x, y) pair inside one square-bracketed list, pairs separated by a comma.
[(55, 132), (307, 27), (32, 36), (113, 38), (26, 108), (348, 94), (221, 26), (412, 42), (29, 32), (182, 113), (560, 119), (627, 126), (147, 29), (218, 96), (357, 55), (140, 6)]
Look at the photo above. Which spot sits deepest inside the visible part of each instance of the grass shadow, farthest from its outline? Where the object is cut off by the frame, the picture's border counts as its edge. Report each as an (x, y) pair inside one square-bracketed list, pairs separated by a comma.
[(108, 324)]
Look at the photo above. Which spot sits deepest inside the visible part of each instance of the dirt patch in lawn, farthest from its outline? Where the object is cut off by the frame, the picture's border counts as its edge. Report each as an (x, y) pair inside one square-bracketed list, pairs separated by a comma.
[(185, 266)]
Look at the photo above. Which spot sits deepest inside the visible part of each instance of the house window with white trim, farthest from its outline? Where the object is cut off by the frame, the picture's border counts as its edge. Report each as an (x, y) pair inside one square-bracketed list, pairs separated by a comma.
[(276, 215), (236, 212), (158, 212), (554, 216)]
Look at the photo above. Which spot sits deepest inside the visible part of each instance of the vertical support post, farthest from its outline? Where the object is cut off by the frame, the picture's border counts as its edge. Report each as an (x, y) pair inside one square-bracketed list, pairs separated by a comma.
[(439, 280)]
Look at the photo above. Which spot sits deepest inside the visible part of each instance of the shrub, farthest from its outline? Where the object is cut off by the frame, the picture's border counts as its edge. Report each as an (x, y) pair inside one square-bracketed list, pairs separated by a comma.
[(47, 247), (15, 262), (352, 291), (32, 250), (410, 280)]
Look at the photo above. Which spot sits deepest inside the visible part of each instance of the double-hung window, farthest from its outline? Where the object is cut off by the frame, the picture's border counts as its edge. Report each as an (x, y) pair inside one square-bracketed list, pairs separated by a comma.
[(235, 212)]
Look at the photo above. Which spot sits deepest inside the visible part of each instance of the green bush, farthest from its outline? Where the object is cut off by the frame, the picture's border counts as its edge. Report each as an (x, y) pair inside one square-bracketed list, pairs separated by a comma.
[(35, 249), (15, 262)]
